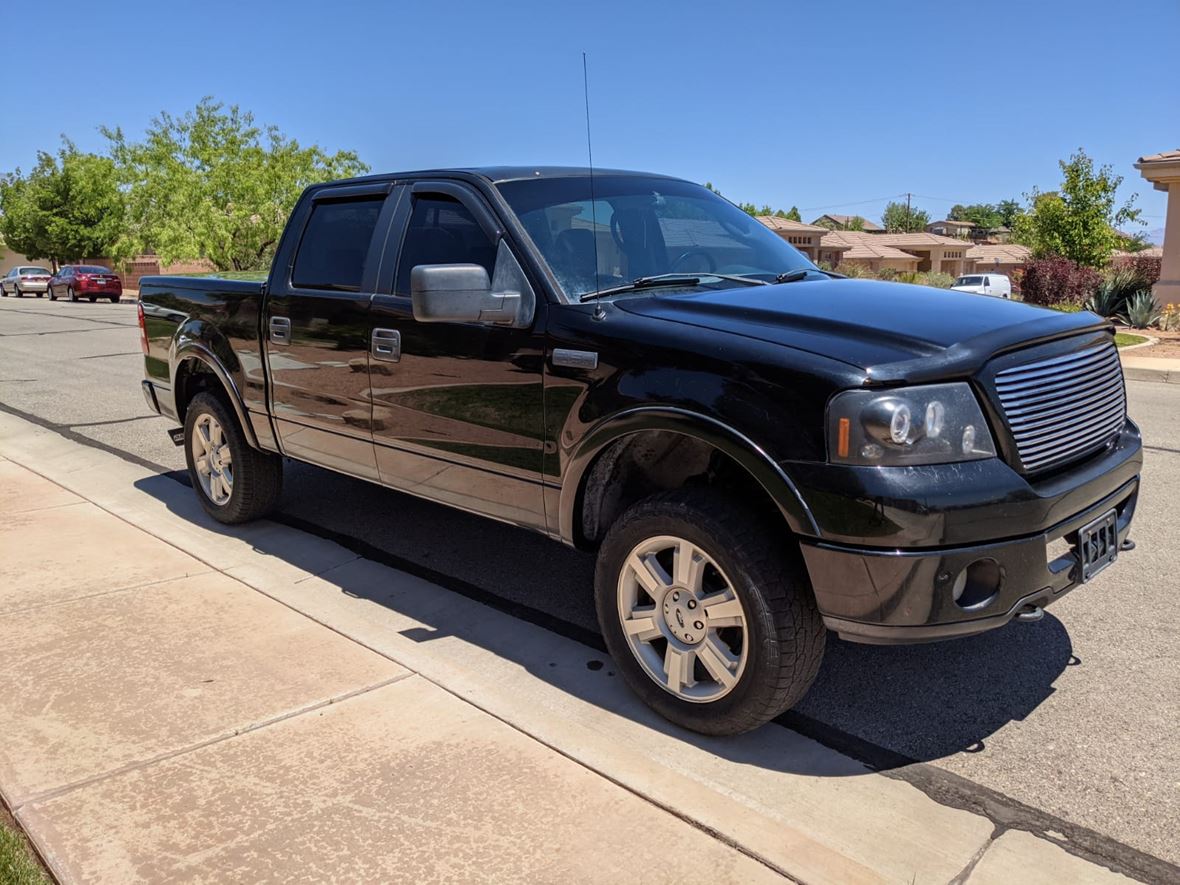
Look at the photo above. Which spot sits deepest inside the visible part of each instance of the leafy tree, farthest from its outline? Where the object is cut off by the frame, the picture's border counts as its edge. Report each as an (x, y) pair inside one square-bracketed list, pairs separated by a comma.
[(67, 208), (856, 222), (1079, 220), (792, 214), (1008, 211), (983, 215), (899, 218), (213, 184)]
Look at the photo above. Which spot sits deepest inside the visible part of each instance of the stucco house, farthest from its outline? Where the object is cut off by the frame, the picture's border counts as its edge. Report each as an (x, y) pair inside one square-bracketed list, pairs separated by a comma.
[(948, 228), (1002, 258), (804, 237), (841, 222), (1163, 171)]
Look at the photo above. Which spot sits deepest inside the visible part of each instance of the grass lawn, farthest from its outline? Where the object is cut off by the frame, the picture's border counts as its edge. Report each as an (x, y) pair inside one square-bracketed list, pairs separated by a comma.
[(1124, 339), (18, 866)]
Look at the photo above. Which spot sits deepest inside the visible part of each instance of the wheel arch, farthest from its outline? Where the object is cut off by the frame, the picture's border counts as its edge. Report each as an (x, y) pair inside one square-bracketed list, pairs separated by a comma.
[(193, 363), (589, 470)]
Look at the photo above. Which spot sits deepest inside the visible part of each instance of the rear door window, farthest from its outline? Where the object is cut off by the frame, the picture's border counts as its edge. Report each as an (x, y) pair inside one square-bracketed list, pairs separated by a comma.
[(442, 231), (335, 244)]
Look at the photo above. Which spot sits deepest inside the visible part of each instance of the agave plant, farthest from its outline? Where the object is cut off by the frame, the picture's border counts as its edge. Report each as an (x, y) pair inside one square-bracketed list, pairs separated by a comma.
[(1111, 295), (1141, 310)]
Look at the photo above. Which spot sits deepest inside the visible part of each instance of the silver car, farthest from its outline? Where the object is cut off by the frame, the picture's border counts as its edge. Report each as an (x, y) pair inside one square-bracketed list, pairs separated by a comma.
[(21, 280)]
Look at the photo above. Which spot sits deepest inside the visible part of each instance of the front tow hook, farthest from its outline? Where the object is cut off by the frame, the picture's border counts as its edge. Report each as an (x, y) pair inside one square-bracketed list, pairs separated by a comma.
[(1127, 545), (1030, 614)]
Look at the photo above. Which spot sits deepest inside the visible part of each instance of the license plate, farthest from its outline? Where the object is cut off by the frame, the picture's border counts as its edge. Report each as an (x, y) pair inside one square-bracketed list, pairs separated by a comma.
[(1098, 544)]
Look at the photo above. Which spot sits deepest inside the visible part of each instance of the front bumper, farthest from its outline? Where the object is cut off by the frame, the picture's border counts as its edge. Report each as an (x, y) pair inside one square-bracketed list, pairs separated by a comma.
[(890, 578)]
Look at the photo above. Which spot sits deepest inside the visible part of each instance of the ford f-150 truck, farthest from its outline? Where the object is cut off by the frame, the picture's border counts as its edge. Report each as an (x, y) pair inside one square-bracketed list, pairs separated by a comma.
[(758, 450)]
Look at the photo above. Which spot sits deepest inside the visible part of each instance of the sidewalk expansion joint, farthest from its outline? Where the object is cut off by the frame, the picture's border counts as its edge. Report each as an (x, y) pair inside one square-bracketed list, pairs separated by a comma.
[(199, 745), (965, 873), (128, 589)]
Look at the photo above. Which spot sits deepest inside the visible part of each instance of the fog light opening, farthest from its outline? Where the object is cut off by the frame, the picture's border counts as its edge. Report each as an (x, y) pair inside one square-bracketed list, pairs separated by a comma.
[(978, 584)]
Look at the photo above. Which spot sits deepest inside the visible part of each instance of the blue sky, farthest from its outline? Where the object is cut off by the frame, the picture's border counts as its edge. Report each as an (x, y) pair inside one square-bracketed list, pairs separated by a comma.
[(827, 106)]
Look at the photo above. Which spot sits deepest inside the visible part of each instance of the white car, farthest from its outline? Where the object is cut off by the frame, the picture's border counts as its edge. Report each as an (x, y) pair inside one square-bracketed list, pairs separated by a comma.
[(995, 284), (34, 280)]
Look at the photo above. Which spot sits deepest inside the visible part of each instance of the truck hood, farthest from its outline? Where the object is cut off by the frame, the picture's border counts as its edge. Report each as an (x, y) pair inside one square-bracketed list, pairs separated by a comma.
[(893, 331)]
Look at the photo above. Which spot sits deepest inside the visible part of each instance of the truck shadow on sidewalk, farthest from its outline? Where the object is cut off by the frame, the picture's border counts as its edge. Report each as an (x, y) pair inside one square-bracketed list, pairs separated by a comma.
[(886, 707)]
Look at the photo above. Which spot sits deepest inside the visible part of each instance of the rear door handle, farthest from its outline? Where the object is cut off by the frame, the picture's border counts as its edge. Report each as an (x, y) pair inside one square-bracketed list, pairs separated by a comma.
[(280, 330), (386, 345)]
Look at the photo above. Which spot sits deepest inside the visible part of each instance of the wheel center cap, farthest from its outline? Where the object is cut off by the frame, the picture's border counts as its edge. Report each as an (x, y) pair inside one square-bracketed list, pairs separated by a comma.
[(684, 616)]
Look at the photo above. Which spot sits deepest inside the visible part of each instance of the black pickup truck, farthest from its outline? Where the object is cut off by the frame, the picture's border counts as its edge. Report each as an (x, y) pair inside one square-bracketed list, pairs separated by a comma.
[(759, 450)]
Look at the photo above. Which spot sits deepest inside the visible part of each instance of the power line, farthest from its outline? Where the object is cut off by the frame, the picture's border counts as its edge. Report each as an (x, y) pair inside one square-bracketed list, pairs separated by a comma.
[(857, 203)]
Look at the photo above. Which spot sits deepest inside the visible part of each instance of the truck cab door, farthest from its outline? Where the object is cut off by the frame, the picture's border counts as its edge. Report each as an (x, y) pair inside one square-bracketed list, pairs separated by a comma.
[(316, 328), (457, 406)]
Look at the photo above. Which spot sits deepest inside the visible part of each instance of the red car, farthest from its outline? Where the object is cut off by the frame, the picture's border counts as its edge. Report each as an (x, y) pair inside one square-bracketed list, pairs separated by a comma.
[(90, 281)]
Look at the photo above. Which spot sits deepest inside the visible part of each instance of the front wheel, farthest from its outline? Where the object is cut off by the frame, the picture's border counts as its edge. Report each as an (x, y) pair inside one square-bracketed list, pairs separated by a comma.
[(233, 481), (71, 294), (707, 612)]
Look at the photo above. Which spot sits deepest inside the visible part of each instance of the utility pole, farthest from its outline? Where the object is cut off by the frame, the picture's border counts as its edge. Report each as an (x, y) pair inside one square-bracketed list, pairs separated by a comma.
[(908, 216)]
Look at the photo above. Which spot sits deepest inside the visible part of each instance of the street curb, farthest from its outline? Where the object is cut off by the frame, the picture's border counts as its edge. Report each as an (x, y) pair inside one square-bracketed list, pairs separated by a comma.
[(1145, 373)]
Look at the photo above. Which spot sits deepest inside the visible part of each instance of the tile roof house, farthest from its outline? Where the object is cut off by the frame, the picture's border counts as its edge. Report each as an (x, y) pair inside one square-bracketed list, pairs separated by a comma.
[(950, 228), (841, 222), (804, 237), (1001, 258), (909, 251)]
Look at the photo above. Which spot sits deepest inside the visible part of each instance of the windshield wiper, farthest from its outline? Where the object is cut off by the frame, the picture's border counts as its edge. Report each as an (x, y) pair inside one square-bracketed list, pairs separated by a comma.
[(670, 279), (792, 276)]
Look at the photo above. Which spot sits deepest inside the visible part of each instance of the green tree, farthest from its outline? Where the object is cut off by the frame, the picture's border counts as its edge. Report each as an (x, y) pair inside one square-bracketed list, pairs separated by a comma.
[(793, 214), (1079, 220), (213, 184), (900, 218), (1008, 211), (67, 208), (983, 215)]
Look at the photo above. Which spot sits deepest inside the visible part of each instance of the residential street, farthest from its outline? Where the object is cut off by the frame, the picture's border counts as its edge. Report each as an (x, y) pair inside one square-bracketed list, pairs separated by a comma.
[(1066, 725)]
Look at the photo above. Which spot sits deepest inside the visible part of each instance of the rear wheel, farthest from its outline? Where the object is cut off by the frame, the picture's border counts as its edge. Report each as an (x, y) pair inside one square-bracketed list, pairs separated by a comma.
[(114, 299), (17, 291), (709, 620), (233, 481), (92, 298)]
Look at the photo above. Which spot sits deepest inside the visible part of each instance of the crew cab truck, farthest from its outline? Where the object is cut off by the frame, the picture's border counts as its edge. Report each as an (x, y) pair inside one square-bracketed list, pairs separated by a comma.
[(759, 451)]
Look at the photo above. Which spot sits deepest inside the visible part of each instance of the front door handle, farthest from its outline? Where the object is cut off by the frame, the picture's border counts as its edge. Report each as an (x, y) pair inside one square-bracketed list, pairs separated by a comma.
[(280, 330), (386, 345)]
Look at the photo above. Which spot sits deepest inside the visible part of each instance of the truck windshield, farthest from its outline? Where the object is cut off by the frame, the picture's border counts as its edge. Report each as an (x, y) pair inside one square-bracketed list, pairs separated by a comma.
[(644, 227)]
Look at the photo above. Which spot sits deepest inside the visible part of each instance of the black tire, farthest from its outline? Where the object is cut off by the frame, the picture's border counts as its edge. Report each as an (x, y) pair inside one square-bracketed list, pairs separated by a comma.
[(257, 476), (785, 633), (114, 299), (92, 298), (52, 294), (71, 294), (39, 294), (18, 292)]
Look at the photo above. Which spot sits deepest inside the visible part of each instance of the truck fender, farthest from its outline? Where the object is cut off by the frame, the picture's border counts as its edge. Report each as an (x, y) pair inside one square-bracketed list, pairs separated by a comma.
[(188, 346), (752, 457)]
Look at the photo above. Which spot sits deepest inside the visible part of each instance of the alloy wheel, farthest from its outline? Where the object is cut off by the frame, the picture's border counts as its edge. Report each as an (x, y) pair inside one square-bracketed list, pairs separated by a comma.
[(682, 619), (213, 460)]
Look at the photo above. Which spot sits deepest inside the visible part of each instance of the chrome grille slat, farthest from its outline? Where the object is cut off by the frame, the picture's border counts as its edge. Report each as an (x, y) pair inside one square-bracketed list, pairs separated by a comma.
[(1063, 408), (1095, 400), (1083, 387), (1076, 366), (1056, 379)]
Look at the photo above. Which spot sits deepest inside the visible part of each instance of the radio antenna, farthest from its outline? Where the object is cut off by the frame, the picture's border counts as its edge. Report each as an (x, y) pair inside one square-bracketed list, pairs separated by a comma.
[(593, 203)]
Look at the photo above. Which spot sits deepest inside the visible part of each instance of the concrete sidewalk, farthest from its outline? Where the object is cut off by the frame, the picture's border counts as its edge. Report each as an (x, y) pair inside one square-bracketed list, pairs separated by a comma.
[(187, 702), (1147, 368)]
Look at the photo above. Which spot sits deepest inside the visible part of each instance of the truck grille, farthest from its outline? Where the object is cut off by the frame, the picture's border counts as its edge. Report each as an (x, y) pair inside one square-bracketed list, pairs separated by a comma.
[(1063, 408)]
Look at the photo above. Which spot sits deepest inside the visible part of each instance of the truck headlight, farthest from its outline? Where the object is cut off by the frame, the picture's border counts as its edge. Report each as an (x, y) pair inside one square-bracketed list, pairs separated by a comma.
[(932, 424)]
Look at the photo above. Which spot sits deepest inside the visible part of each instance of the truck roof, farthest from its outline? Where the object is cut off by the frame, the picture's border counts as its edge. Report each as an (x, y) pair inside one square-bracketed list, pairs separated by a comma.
[(498, 174)]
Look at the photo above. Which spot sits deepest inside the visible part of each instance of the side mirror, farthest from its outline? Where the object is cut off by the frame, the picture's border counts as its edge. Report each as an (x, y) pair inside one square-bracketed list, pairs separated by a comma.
[(459, 293), (462, 293)]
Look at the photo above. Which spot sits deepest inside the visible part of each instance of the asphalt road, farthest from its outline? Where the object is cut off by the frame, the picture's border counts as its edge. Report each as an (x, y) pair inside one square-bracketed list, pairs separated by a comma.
[(1077, 715)]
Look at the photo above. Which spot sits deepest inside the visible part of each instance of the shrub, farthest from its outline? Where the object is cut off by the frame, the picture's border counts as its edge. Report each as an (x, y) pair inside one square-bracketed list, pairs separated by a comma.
[(1170, 318), (1055, 280), (1146, 268), (1117, 286), (1141, 310), (938, 279), (856, 271)]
